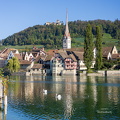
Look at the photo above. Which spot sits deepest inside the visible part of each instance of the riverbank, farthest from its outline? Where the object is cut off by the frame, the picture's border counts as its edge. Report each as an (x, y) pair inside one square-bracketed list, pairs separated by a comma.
[(103, 73), (98, 73)]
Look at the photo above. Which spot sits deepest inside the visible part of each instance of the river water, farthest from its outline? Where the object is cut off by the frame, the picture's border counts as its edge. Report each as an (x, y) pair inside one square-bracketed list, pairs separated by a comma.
[(82, 98)]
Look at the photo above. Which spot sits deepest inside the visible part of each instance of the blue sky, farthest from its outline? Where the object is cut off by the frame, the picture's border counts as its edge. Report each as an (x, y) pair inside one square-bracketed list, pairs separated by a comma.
[(17, 15)]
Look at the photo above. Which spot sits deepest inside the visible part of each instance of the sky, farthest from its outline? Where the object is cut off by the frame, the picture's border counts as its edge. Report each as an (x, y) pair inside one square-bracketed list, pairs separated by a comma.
[(17, 15)]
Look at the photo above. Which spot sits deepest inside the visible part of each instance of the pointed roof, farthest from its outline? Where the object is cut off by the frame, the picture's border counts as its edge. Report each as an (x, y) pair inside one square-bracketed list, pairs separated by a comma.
[(67, 34), (63, 54), (73, 57), (106, 51), (78, 55)]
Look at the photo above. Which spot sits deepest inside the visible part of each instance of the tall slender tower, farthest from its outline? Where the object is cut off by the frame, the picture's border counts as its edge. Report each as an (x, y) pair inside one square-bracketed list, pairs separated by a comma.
[(67, 38)]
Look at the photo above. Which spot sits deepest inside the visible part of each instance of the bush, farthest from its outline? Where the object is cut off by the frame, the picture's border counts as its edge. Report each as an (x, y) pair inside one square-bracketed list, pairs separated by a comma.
[(107, 64)]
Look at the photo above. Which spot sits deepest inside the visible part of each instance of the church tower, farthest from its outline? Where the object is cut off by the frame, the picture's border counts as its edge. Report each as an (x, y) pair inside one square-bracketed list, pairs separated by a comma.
[(67, 38)]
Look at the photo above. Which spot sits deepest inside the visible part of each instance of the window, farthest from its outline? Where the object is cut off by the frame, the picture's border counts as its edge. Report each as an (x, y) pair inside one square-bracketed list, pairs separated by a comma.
[(41, 61)]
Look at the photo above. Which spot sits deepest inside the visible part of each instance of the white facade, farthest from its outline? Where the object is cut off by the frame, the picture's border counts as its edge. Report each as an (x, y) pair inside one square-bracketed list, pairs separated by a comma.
[(57, 66), (10, 56), (67, 42), (67, 38), (28, 56)]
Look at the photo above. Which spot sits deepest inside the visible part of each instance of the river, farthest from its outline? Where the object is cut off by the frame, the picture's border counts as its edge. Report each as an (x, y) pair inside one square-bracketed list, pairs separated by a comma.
[(81, 98)]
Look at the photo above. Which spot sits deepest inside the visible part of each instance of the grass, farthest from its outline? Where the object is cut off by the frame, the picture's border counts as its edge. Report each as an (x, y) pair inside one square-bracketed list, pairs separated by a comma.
[(108, 41), (21, 47), (79, 42)]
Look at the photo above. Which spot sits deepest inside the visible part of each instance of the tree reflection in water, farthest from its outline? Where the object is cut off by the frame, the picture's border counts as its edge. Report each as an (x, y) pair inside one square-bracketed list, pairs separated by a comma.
[(83, 97)]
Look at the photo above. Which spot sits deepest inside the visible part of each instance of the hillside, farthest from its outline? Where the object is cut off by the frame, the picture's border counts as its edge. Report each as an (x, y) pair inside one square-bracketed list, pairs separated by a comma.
[(51, 36), (107, 40)]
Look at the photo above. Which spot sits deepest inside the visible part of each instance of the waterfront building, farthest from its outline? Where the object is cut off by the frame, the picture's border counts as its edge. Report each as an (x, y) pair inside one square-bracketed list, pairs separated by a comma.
[(63, 62)]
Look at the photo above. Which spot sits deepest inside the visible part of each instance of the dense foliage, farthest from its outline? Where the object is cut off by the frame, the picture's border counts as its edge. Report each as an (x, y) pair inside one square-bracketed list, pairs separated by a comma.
[(13, 65), (88, 47), (51, 35), (1, 72), (98, 46)]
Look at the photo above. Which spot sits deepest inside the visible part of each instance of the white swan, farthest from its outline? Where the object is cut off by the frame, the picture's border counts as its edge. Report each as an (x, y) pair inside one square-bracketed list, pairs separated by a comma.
[(58, 97), (44, 91)]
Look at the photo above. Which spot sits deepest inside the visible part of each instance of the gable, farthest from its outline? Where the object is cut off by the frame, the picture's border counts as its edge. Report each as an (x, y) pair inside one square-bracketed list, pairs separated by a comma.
[(10, 55), (114, 50)]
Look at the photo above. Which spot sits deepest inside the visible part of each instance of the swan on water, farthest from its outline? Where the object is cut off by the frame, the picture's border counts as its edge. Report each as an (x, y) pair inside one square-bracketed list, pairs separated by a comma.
[(58, 97), (44, 91)]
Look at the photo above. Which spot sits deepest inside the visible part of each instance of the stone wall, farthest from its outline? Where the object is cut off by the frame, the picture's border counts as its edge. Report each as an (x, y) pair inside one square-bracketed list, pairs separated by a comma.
[(69, 72), (113, 72), (105, 73), (36, 72)]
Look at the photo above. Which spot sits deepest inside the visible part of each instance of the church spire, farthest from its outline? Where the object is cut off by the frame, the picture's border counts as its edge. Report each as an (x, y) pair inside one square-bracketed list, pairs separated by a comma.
[(67, 38), (67, 29)]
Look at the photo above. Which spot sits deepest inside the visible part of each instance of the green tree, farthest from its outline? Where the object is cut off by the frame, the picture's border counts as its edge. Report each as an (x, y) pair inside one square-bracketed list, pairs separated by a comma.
[(10, 65), (1, 72), (16, 64), (98, 45), (88, 47), (13, 64)]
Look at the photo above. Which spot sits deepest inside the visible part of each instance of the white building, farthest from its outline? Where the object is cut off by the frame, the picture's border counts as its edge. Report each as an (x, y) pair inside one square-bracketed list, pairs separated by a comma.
[(67, 38)]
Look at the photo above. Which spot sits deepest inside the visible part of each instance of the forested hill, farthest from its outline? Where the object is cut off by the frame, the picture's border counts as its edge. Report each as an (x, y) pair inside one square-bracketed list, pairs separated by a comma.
[(51, 36)]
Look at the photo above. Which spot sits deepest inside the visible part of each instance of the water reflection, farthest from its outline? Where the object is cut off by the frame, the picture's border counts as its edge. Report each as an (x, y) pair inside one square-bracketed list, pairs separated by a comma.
[(82, 97), (3, 103)]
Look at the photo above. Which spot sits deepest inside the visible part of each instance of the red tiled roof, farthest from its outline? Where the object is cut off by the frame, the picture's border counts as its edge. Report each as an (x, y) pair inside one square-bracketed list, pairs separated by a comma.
[(52, 52), (7, 50), (63, 53), (49, 57), (73, 57), (37, 66), (115, 56), (18, 56), (78, 55), (25, 62), (76, 49), (106, 50)]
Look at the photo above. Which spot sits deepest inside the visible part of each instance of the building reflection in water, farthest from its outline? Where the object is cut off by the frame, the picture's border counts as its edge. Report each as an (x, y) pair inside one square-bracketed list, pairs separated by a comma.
[(73, 89), (3, 102), (68, 101)]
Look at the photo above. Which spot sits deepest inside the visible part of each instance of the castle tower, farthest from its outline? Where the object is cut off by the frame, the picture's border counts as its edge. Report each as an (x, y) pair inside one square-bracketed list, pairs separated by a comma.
[(67, 38)]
